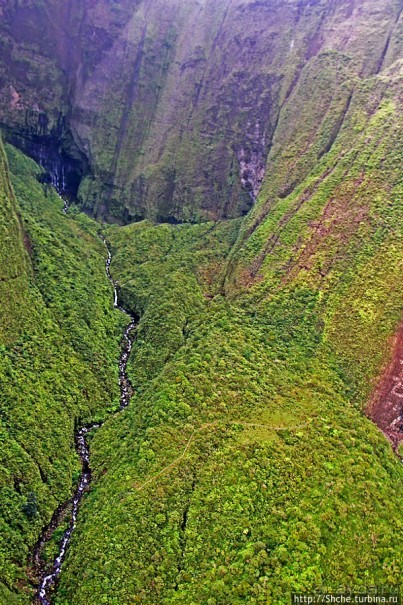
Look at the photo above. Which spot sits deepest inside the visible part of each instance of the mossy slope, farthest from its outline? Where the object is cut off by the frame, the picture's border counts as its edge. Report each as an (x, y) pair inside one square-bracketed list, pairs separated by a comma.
[(244, 468), (13, 262)]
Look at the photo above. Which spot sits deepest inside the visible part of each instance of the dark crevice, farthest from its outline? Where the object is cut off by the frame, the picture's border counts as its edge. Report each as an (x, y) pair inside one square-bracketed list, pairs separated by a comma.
[(337, 127), (184, 520), (383, 54), (3, 279), (42, 474), (64, 165), (293, 84), (185, 329), (17, 485), (385, 49), (182, 535)]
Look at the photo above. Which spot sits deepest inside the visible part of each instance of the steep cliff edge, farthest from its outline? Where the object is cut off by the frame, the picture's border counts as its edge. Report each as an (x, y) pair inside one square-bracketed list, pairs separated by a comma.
[(169, 109)]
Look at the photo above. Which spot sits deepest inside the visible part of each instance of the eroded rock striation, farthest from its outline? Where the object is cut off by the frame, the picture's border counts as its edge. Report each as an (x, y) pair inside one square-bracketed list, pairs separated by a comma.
[(167, 110)]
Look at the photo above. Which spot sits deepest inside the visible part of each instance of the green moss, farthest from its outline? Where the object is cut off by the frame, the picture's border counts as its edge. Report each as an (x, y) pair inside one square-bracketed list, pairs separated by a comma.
[(252, 367), (13, 260)]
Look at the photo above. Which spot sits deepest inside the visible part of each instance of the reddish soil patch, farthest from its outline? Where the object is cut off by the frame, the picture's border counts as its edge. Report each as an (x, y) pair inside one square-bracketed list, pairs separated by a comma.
[(28, 244), (386, 406), (330, 233)]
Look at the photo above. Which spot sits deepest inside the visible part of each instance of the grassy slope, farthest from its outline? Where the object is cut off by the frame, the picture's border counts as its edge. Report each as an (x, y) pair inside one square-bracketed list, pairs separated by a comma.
[(338, 231), (58, 359), (244, 468)]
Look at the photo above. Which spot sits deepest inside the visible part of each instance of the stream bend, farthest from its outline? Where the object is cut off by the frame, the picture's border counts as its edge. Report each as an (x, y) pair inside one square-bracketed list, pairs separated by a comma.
[(48, 581)]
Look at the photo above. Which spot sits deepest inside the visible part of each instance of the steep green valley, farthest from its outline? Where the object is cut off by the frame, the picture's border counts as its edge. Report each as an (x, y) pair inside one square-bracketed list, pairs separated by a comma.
[(58, 357), (242, 161), (241, 470)]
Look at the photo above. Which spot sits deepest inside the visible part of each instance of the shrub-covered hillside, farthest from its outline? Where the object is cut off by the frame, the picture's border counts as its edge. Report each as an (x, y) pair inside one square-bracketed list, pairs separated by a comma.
[(59, 344), (246, 466), (242, 469)]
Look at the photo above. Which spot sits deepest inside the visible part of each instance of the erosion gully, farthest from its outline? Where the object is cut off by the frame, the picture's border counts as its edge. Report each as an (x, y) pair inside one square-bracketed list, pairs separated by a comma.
[(48, 580)]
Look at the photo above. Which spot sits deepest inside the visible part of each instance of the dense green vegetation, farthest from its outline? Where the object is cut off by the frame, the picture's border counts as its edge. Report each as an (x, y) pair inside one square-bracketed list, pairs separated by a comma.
[(245, 467), (58, 356), (339, 231), (13, 266), (240, 472)]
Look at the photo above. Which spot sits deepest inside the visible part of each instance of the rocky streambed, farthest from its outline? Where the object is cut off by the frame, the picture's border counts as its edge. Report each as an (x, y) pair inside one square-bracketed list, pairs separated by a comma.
[(68, 513)]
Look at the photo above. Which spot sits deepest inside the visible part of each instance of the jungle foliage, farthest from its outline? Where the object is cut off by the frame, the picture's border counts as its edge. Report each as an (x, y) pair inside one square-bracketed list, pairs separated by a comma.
[(58, 357), (245, 467)]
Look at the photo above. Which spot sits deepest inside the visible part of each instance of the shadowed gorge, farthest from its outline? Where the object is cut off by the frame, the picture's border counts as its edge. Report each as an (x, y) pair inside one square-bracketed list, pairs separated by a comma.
[(230, 177), (168, 110)]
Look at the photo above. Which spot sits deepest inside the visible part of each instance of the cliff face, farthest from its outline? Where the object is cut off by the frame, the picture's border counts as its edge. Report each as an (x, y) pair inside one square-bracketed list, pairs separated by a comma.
[(244, 470), (168, 110)]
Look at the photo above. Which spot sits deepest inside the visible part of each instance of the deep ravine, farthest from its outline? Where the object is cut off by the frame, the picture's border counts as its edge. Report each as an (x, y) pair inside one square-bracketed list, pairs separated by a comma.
[(49, 580)]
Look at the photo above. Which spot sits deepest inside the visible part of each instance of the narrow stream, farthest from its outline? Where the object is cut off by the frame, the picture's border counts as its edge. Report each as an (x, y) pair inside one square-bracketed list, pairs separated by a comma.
[(48, 581)]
